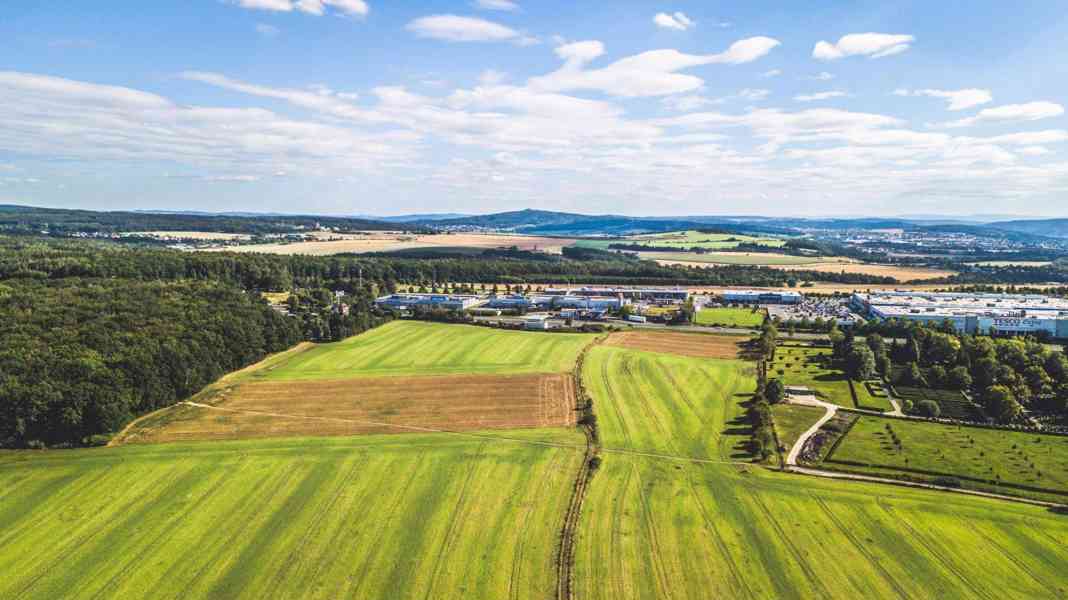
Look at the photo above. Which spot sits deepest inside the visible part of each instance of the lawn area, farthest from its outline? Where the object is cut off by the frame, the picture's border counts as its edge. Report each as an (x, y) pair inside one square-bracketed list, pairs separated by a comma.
[(662, 528), (811, 367), (872, 395), (419, 348), (791, 420), (730, 317), (412, 516), (987, 459)]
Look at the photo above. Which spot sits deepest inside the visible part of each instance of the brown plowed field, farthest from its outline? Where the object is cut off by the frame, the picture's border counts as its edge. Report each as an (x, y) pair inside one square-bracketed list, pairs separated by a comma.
[(380, 405), (698, 345)]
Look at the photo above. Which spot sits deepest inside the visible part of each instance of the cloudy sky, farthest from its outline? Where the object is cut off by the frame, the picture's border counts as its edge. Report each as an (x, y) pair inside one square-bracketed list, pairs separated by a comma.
[(633, 107)]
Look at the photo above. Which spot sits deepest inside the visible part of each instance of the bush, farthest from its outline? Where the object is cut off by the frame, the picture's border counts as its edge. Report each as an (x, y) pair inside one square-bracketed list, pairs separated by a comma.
[(929, 409)]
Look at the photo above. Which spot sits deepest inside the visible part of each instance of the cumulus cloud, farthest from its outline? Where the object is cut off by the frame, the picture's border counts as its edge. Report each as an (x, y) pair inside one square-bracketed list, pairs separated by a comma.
[(771, 73), (496, 5), (677, 21), (454, 28), (873, 45), (311, 7), (652, 73), (1031, 111), (957, 99), (819, 96)]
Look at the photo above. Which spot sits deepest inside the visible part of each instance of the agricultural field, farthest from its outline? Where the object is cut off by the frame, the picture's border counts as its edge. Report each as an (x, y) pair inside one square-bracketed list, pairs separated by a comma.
[(407, 348), (763, 259), (401, 377), (336, 243), (731, 317), (698, 345), (687, 239), (991, 460), (410, 516), (698, 520)]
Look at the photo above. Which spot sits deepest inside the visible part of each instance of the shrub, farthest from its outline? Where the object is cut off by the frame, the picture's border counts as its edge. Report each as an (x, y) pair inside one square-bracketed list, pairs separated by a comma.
[(928, 408)]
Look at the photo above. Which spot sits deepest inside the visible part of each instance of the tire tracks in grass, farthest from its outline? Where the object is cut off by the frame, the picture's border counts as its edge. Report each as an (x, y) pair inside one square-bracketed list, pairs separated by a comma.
[(1022, 566), (788, 541), (293, 557), (395, 505), (659, 570), (740, 581), (42, 571), (858, 544), (616, 534), (455, 522), (517, 555), (932, 551), (176, 522)]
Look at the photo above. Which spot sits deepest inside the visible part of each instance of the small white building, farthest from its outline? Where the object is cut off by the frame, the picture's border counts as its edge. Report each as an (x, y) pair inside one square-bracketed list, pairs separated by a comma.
[(536, 322)]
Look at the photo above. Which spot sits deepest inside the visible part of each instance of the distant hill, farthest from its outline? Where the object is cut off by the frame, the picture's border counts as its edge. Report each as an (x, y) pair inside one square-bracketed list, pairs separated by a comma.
[(30, 219), (1055, 228)]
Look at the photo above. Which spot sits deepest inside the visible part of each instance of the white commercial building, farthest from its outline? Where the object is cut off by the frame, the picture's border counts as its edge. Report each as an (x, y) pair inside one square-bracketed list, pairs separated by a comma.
[(762, 297), (971, 313)]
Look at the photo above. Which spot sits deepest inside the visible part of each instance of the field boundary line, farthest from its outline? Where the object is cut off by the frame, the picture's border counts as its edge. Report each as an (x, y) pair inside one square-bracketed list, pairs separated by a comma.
[(914, 484)]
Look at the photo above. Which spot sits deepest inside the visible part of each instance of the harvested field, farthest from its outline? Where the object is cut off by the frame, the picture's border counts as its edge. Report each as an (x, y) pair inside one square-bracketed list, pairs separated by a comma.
[(904, 274), (799, 263), (697, 345), (265, 409), (388, 242)]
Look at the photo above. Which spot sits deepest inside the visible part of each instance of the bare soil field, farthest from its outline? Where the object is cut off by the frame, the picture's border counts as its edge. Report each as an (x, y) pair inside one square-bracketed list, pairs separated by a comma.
[(698, 345), (389, 242), (376, 405)]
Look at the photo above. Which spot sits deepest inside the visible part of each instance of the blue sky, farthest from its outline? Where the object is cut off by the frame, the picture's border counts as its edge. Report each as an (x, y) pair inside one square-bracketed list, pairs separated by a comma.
[(686, 107)]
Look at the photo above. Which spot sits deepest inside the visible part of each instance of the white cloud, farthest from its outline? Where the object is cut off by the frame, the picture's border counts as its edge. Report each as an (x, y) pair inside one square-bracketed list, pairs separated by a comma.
[(453, 28), (267, 30), (1034, 151), (771, 73), (754, 95), (692, 102), (496, 5), (677, 21), (311, 7), (1032, 138), (1032, 111), (874, 45), (819, 96), (652, 73), (822, 76), (957, 99)]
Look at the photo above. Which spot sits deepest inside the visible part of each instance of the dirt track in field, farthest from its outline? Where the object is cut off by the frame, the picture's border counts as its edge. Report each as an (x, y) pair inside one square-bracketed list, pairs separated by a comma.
[(698, 345), (361, 406)]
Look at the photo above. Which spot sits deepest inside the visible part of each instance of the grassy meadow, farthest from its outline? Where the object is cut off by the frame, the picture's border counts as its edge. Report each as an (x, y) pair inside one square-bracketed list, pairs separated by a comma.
[(767, 259), (730, 317), (987, 459), (663, 528), (411, 516), (419, 348)]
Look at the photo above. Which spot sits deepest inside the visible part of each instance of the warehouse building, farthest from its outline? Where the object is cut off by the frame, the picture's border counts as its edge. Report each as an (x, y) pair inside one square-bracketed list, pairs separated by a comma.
[(989, 314), (649, 295), (413, 302), (762, 297)]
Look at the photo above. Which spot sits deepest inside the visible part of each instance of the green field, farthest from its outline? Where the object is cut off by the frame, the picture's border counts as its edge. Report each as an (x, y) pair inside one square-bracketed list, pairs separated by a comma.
[(418, 348), (733, 258), (791, 420), (872, 395), (687, 239), (986, 459), (410, 516), (662, 528), (730, 317), (812, 368)]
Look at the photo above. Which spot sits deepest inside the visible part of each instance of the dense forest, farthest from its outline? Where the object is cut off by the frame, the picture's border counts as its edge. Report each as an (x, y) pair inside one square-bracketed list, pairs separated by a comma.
[(63, 222)]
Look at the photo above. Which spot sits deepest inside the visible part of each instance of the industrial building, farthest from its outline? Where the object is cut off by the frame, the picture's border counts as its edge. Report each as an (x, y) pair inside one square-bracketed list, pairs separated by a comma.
[(648, 295), (412, 302), (762, 297), (991, 314)]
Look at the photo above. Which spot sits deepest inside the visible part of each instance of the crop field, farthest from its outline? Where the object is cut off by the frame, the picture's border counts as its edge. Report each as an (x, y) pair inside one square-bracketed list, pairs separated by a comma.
[(391, 242), (411, 516), (987, 459), (417, 348), (766, 259), (699, 345), (687, 239), (730, 317), (709, 524), (901, 273), (263, 409)]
